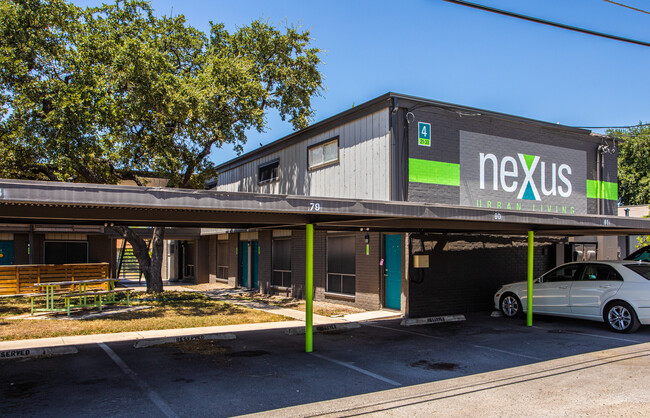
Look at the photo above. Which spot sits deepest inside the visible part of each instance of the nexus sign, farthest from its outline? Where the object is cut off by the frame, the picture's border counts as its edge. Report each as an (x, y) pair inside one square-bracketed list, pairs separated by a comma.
[(504, 173)]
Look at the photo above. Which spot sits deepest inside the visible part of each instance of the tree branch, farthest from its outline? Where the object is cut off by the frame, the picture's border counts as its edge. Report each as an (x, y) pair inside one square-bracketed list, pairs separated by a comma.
[(187, 176), (38, 168), (89, 174)]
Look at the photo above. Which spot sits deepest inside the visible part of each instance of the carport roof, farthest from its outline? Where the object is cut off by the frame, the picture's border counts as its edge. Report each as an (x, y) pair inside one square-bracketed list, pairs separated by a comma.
[(52, 202)]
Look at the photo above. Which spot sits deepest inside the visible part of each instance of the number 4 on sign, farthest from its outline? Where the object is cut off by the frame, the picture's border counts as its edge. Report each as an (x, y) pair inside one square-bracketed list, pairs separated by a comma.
[(424, 134)]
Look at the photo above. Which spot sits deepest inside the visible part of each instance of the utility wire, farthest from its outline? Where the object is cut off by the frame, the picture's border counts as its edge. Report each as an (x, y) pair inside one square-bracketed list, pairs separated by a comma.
[(546, 22), (628, 7), (612, 127)]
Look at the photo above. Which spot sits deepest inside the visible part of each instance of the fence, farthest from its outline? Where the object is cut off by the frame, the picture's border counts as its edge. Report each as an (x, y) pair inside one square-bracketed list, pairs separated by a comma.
[(21, 279)]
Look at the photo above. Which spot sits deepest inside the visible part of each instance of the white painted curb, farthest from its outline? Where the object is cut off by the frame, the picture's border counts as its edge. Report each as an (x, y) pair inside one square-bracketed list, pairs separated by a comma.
[(37, 352), (323, 328), (182, 338), (432, 320)]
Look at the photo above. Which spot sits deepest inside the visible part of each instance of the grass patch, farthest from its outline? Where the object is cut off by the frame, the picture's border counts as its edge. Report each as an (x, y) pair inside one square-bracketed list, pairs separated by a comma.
[(320, 308), (170, 310)]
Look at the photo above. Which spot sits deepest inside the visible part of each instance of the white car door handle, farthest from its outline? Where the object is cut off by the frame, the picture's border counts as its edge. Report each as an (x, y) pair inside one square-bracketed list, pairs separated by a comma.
[(563, 287), (605, 286)]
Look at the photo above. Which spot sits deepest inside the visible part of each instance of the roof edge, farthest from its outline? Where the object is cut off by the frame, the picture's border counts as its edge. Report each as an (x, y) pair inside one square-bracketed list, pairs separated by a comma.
[(373, 105)]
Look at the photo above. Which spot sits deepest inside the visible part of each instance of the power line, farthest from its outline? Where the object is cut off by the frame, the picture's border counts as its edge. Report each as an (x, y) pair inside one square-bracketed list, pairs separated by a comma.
[(546, 22), (628, 7), (612, 127)]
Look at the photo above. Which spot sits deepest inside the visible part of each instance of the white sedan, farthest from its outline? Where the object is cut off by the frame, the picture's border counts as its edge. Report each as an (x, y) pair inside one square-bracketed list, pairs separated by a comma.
[(614, 292)]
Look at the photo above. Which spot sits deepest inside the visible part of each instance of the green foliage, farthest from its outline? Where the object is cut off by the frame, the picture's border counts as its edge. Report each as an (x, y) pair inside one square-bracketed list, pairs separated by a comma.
[(643, 240), (633, 165), (102, 94)]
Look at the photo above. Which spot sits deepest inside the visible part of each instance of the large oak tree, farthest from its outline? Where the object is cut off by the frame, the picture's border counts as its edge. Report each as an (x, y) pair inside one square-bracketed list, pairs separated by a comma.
[(102, 95)]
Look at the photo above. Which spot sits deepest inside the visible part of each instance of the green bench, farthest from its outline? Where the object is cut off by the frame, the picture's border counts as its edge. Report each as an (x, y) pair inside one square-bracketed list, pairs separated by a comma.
[(76, 299)]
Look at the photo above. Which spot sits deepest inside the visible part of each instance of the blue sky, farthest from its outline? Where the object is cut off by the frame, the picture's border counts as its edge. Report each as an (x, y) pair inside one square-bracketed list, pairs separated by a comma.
[(441, 51)]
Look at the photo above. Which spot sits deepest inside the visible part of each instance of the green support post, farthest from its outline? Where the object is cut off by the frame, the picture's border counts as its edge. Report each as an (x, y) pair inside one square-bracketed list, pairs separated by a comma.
[(529, 300), (309, 290)]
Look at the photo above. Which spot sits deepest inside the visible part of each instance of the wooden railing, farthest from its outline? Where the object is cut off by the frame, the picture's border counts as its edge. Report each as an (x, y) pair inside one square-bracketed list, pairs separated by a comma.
[(15, 280)]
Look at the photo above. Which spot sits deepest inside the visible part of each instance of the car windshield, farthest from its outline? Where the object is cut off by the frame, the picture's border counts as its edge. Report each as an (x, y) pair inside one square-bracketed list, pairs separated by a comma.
[(642, 254), (641, 269)]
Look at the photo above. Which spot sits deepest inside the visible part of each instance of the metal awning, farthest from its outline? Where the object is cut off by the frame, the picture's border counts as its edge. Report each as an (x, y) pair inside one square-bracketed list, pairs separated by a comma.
[(73, 203)]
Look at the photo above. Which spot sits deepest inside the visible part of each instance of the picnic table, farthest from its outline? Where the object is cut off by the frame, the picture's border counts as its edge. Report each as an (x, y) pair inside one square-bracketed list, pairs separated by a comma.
[(82, 295)]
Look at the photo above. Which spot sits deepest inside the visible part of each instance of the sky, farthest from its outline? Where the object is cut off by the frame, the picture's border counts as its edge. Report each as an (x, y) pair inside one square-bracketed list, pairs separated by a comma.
[(446, 52)]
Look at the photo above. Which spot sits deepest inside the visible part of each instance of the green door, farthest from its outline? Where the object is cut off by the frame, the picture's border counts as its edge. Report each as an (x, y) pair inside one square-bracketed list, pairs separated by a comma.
[(255, 251), (6, 253), (244, 264), (393, 276), (249, 262)]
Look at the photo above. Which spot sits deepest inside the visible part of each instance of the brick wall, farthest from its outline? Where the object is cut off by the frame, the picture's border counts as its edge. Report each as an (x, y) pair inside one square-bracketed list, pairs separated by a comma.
[(465, 271), (298, 262), (264, 261), (445, 134), (367, 281), (203, 255), (233, 262)]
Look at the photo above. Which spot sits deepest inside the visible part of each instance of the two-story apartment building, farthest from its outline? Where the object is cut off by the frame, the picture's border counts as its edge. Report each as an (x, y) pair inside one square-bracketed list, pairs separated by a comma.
[(407, 149)]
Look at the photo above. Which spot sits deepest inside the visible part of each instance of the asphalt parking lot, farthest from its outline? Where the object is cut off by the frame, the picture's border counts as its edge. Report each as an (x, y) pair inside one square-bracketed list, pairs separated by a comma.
[(264, 370)]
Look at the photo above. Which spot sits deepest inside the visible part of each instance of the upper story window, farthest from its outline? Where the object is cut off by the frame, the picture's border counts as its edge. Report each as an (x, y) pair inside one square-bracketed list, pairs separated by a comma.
[(268, 172), (325, 153)]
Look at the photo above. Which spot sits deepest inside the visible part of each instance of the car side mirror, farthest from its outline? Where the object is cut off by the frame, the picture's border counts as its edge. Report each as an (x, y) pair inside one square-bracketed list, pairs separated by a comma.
[(538, 280)]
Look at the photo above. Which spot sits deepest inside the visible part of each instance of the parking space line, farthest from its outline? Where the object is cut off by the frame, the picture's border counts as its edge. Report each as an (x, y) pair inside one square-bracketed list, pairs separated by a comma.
[(593, 335), (510, 353), (153, 396), (358, 369)]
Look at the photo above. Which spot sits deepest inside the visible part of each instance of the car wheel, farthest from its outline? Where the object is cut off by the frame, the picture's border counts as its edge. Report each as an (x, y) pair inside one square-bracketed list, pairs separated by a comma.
[(510, 305), (620, 317)]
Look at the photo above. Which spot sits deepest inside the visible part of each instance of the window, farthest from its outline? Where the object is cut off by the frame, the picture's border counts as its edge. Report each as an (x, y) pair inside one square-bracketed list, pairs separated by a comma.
[(66, 252), (269, 172), (599, 272), (281, 260), (563, 274), (642, 269), (222, 260), (324, 153), (341, 267)]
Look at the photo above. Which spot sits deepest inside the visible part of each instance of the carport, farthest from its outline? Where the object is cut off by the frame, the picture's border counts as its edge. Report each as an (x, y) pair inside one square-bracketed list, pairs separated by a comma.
[(88, 204)]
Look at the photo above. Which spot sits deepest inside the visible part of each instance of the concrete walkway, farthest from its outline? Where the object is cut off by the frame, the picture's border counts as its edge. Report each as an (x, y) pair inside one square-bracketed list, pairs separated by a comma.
[(610, 383), (135, 336)]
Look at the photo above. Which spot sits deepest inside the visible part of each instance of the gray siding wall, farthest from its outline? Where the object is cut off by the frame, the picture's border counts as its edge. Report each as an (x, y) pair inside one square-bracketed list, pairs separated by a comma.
[(363, 170)]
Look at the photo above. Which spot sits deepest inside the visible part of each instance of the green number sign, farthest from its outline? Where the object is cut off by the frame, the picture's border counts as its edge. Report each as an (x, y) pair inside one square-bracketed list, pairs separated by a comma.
[(424, 134)]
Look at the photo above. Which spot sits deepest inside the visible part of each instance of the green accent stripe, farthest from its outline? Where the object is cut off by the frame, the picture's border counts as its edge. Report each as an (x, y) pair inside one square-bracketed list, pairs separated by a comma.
[(434, 172), (602, 190)]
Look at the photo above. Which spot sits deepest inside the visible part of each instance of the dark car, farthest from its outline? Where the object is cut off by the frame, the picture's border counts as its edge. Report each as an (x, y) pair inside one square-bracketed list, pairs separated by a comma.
[(642, 254)]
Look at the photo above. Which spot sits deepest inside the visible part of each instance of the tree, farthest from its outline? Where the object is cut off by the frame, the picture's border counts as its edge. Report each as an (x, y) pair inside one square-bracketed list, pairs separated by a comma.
[(633, 165), (106, 94)]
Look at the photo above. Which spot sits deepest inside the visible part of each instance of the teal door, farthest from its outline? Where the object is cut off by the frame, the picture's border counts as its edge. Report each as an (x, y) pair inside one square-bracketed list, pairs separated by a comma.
[(255, 251), (393, 276), (249, 262), (244, 264), (6, 253)]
